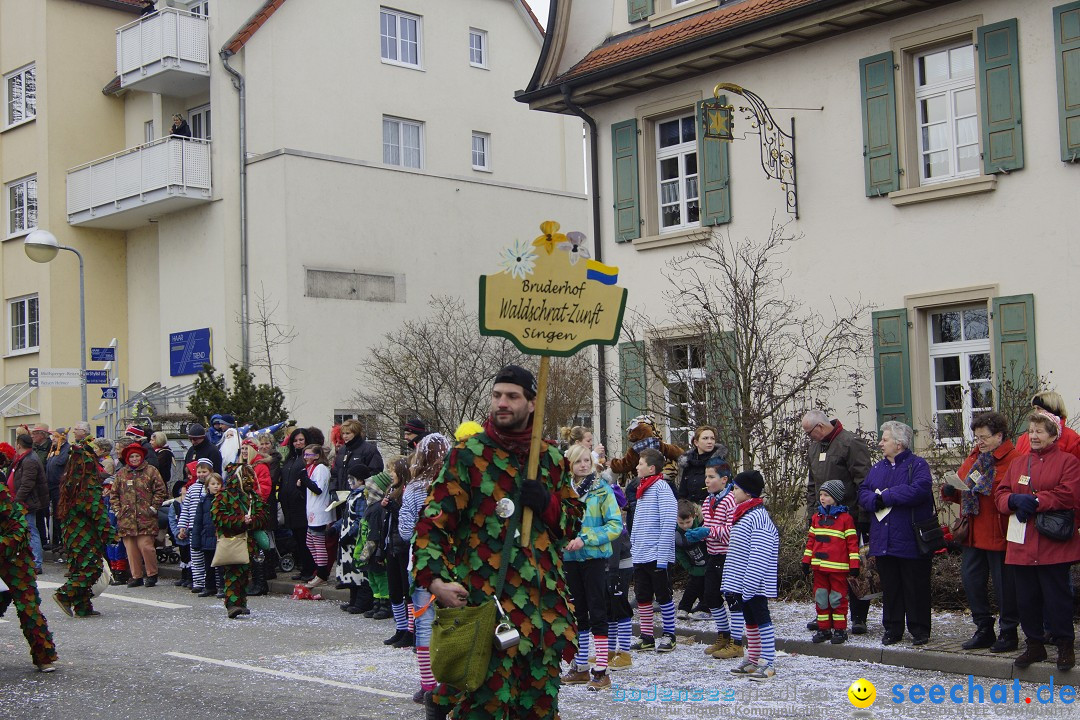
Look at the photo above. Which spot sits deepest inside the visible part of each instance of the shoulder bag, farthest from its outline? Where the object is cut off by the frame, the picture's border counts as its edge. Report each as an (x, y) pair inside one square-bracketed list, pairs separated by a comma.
[(1054, 524), (929, 535), (232, 550)]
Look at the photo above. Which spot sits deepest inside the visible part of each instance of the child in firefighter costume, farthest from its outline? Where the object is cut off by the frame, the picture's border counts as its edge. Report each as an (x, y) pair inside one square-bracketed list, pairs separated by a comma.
[(17, 572), (832, 552), (84, 525), (237, 509)]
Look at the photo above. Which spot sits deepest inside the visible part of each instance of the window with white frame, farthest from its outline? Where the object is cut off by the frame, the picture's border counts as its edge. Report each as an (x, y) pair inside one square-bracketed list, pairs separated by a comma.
[(400, 38), (677, 173), (946, 110), (22, 206), (20, 95), (148, 131), (24, 324), (403, 142), (478, 48), (200, 8), (481, 151), (960, 385), (200, 122), (685, 390)]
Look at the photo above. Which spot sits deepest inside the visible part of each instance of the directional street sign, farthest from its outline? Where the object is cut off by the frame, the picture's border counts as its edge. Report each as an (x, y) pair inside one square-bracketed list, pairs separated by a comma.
[(102, 354), (97, 377), (108, 393), (55, 377)]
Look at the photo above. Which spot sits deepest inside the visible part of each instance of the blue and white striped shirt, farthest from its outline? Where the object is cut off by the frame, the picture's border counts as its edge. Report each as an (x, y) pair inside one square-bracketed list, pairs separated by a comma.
[(752, 556), (656, 516)]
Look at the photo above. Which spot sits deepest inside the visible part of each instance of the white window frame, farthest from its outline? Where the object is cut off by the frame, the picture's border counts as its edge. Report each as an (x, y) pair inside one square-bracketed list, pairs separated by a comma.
[(481, 159), (689, 376), (396, 42), (148, 131), (402, 123), (681, 151), (964, 349), (948, 89), (26, 301), (201, 7), (27, 183), (482, 50), (8, 101), (205, 120)]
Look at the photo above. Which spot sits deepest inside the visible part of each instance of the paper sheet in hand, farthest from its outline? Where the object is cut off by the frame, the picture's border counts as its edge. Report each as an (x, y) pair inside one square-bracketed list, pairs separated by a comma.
[(953, 479), (1017, 530), (880, 514), (342, 496), (3, 586)]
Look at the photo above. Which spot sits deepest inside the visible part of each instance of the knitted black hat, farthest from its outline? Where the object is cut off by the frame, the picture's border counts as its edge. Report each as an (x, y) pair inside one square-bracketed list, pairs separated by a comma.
[(751, 482), (835, 488), (416, 426), (195, 430), (359, 470), (517, 375)]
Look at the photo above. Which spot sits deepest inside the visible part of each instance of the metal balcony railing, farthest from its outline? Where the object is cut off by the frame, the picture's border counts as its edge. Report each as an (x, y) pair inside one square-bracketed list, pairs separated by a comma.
[(168, 40)]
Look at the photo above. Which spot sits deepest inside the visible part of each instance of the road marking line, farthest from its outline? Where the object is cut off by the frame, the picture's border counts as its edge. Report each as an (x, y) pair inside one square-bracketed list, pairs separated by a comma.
[(3, 621), (290, 675), (140, 601), (46, 585)]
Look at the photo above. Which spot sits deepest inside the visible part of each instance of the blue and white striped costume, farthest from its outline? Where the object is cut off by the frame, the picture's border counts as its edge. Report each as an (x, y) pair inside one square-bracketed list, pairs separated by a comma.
[(752, 556), (656, 517)]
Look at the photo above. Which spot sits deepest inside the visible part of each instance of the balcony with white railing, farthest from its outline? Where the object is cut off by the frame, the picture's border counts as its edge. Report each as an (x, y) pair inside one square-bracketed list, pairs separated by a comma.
[(125, 190), (167, 52)]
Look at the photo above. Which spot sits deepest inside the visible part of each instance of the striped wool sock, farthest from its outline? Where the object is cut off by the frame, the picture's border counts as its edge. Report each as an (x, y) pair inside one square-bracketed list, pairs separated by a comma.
[(601, 654), (626, 630), (645, 619), (737, 626), (411, 617), (581, 660), (720, 620), (613, 637), (753, 643), (400, 621), (423, 657), (667, 612), (767, 640)]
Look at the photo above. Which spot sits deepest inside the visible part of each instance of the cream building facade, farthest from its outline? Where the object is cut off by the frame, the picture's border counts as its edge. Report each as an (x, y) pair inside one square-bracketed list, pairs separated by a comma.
[(384, 160), (937, 174)]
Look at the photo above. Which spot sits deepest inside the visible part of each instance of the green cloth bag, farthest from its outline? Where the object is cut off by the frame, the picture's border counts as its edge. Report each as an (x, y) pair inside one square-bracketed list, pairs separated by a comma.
[(262, 540), (461, 643)]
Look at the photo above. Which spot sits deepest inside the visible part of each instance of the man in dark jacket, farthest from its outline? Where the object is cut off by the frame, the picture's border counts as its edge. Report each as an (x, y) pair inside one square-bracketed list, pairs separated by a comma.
[(201, 447), (413, 431), (31, 489), (836, 454), (356, 449)]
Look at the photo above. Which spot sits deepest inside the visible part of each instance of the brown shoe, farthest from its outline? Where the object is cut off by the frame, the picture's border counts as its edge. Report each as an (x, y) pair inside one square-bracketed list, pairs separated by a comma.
[(600, 681), (1035, 652), (1066, 655), (574, 676), (721, 643), (620, 660), (730, 652)]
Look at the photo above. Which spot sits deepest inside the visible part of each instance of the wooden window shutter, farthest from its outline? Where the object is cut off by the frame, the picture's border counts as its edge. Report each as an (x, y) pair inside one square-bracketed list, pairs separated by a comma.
[(1067, 57), (639, 9), (999, 97), (714, 175), (877, 83), (1014, 340), (624, 174), (632, 379), (892, 366)]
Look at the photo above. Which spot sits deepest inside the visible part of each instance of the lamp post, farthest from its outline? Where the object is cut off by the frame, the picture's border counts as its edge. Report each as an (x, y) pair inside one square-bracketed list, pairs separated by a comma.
[(41, 246)]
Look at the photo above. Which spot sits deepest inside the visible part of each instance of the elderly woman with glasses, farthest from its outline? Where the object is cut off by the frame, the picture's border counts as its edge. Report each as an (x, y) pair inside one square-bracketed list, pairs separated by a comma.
[(898, 492)]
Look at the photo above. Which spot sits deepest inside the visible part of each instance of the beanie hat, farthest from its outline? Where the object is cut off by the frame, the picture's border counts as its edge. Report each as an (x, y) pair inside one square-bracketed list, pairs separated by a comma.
[(195, 430), (751, 482), (835, 488), (204, 461), (359, 470), (132, 448), (517, 375), (228, 420), (415, 425), (135, 431)]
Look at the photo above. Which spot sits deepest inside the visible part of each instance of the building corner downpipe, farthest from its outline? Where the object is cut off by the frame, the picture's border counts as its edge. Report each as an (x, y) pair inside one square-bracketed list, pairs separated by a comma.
[(238, 83)]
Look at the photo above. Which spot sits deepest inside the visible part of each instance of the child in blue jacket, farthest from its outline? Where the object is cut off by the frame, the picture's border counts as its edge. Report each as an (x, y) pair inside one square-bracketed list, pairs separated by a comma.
[(652, 545), (204, 537)]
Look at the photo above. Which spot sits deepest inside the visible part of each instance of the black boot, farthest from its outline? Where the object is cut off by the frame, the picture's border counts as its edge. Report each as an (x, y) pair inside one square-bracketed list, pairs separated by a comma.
[(982, 639), (383, 611), (1035, 652), (392, 640), (349, 606), (1007, 642), (258, 585), (431, 710), (407, 640), (185, 578), (364, 599)]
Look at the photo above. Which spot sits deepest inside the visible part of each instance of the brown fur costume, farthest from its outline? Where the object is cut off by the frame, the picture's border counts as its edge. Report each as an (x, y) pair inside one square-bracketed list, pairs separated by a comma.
[(642, 428)]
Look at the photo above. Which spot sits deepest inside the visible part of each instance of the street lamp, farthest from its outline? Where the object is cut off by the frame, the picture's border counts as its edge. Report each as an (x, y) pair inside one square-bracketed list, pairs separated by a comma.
[(41, 246)]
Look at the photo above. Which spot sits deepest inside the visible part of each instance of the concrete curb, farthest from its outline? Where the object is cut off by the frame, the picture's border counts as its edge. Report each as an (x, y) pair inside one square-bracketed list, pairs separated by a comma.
[(277, 587)]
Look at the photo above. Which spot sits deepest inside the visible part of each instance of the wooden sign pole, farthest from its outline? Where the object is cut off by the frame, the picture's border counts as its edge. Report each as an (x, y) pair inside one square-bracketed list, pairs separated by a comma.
[(534, 444)]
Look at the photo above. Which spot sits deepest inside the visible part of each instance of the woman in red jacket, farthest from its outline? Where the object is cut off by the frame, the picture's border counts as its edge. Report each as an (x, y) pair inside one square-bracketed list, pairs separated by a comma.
[(1053, 403), (984, 549), (1045, 479)]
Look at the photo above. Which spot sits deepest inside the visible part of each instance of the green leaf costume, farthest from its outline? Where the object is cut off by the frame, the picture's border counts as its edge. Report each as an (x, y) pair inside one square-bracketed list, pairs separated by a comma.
[(84, 526)]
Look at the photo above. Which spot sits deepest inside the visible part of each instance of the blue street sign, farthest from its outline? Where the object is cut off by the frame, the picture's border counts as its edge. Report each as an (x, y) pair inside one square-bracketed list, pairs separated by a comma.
[(108, 393), (189, 350), (97, 377), (102, 354)]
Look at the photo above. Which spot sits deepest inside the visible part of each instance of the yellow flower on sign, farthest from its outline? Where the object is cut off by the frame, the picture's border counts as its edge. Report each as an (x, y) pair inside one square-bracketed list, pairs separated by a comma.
[(551, 236)]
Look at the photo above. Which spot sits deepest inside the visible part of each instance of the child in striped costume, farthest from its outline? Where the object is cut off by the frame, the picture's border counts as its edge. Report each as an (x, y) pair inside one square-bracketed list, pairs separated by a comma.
[(750, 574), (832, 550), (204, 467), (652, 545), (718, 511)]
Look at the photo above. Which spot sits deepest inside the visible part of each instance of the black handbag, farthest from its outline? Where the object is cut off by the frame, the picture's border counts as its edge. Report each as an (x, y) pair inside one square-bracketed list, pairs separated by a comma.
[(929, 536), (1056, 524)]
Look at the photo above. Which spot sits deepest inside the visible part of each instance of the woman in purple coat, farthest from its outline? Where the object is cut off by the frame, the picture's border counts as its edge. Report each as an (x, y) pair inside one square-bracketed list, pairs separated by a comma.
[(898, 491)]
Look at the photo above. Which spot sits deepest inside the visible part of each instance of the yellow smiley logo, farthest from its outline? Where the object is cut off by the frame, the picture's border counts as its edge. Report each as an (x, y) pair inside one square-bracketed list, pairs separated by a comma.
[(862, 693)]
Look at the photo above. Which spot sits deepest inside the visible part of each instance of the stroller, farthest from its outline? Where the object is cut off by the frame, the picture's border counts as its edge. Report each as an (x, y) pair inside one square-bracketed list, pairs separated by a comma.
[(286, 546), (166, 542)]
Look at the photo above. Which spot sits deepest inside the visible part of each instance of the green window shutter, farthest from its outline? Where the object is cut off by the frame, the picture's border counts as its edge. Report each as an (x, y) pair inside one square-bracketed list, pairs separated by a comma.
[(999, 97), (714, 180), (1014, 340), (624, 173), (880, 153), (638, 9), (632, 379), (1067, 56), (892, 367)]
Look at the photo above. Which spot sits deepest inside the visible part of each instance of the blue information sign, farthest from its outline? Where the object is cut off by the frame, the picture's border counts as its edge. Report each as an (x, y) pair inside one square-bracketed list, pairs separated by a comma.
[(97, 377), (102, 354), (189, 350), (108, 393)]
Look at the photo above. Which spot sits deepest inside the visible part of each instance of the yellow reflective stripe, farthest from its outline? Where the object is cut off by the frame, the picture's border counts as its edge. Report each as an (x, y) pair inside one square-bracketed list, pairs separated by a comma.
[(849, 533), (827, 532), (807, 553), (853, 556), (829, 564)]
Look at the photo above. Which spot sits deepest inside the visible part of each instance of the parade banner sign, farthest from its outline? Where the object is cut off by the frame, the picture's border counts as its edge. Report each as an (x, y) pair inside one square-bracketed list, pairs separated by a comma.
[(551, 297)]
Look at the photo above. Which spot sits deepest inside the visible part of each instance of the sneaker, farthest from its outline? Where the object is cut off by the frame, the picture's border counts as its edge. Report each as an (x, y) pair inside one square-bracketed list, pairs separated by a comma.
[(88, 613), (220, 594), (763, 674), (46, 668), (821, 636), (744, 668), (573, 676), (839, 637), (64, 604), (682, 615), (235, 611), (315, 582), (700, 615), (600, 681), (721, 643), (620, 660), (645, 642), (418, 697), (733, 650), (151, 581), (666, 643), (858, 628)]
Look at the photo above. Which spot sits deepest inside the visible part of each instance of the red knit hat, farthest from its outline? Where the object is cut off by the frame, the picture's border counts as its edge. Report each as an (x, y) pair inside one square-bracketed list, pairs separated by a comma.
[(135, 431), (132, 448)]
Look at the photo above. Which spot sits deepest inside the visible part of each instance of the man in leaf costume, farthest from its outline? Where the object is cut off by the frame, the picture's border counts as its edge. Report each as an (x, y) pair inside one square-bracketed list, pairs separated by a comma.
[(457, 554), (237, 509), (84, 525), (17, 572)]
